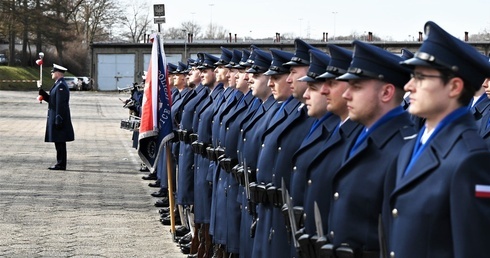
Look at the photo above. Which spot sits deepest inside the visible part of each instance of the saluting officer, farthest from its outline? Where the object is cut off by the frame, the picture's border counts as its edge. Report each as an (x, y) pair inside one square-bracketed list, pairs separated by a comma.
[(375, 91), (58, 125), (438, 194)]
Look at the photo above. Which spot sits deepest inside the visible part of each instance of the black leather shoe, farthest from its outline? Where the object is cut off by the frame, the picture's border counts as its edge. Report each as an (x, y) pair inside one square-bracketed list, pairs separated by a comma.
[(162, 203), (161, 193), (151, 176), (186, 249), (187, 238), (155, 184), (181, 231), (164, 210), (57, 167), (166, 221)]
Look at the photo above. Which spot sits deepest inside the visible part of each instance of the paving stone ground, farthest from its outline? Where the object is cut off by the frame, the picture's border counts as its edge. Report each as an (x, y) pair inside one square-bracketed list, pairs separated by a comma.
[(98, 207)]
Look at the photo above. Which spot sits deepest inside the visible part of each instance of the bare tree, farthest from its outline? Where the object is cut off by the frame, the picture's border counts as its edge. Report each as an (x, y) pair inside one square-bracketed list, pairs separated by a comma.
[(137, 21), (214, 31), (192, 27), (93, 19)]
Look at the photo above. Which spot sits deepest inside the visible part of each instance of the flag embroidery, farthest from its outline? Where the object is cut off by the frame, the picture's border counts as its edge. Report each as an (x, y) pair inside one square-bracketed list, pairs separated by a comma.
[(482, 191)]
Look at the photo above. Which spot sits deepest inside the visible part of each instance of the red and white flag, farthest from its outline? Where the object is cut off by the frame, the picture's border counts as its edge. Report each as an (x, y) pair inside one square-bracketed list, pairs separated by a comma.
[(482, 191), (156, 122)]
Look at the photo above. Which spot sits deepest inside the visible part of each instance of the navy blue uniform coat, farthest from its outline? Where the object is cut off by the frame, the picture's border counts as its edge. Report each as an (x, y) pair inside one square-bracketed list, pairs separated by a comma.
[(321, 171), (358, 185), (433, 211), (59, 113)]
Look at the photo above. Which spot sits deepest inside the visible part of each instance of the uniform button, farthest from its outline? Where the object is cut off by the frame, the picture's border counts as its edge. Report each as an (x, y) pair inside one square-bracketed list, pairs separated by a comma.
[(279, 148), (241, 130), (227, 128), (263, 145), (309, 182), (392, 254), (237, 151), (220, 123), (394, 212), (220, 179), (199, 119), (336, 196), (244, 139), (331, 234), (257, 170), (294, 168)]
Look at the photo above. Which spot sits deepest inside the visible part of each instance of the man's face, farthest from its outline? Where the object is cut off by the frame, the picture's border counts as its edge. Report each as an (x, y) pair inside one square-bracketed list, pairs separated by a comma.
[(297, 87), (194, 77), (428, 95), (208, 77), (241, 78), (55, 75), (221, 74), (333, 90), (258, 85), (486, 86), (315, 101), (231, 75), (363, 100), (280, 87), (179, 80)]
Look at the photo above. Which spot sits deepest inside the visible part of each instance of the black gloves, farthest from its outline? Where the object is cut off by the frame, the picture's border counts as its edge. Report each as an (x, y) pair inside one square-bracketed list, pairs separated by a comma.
[(44, 94)]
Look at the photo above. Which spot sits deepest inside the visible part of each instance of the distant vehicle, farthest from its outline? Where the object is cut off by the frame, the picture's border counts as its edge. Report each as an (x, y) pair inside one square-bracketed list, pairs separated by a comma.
[(84, 83), (72, 83), (3, 59)]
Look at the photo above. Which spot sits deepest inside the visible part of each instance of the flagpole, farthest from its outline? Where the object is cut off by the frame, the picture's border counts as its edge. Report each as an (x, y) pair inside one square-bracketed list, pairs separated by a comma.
[(171, 200)]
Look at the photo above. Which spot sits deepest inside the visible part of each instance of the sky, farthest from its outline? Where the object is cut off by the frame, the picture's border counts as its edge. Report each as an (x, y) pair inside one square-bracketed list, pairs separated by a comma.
[(391, 20)]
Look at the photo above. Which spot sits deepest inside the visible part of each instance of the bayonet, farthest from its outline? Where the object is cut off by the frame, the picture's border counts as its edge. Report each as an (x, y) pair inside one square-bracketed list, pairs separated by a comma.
[(318, 220), (292, 221)]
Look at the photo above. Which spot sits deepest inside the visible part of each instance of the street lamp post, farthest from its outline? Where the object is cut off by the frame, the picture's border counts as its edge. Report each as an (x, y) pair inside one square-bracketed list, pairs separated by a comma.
[(185, 46), (334, 14)]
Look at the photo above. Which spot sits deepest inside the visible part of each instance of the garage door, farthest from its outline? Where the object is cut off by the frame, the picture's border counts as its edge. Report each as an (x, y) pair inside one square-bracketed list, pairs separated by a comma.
[(115, 71)]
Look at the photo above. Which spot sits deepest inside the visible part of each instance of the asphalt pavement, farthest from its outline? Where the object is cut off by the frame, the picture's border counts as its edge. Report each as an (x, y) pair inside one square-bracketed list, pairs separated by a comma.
[(98, 207)]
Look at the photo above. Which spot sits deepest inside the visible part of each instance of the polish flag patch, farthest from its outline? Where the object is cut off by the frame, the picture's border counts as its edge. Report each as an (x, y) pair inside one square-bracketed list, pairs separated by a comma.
[(482, 191)]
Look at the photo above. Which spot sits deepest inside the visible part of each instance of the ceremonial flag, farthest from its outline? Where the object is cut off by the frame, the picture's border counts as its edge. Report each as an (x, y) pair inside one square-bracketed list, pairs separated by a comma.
[(156, 122)]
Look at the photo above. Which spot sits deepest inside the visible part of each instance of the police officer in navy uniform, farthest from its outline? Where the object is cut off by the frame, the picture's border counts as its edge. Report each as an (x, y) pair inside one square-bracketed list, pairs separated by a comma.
[(330, 156), (202, 188), (283, 136), (186, 156), (58, 125), (484, 122), (178, 80), (319, 132), (250, 132), (230, 97), (439, 187), (375, 91)]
